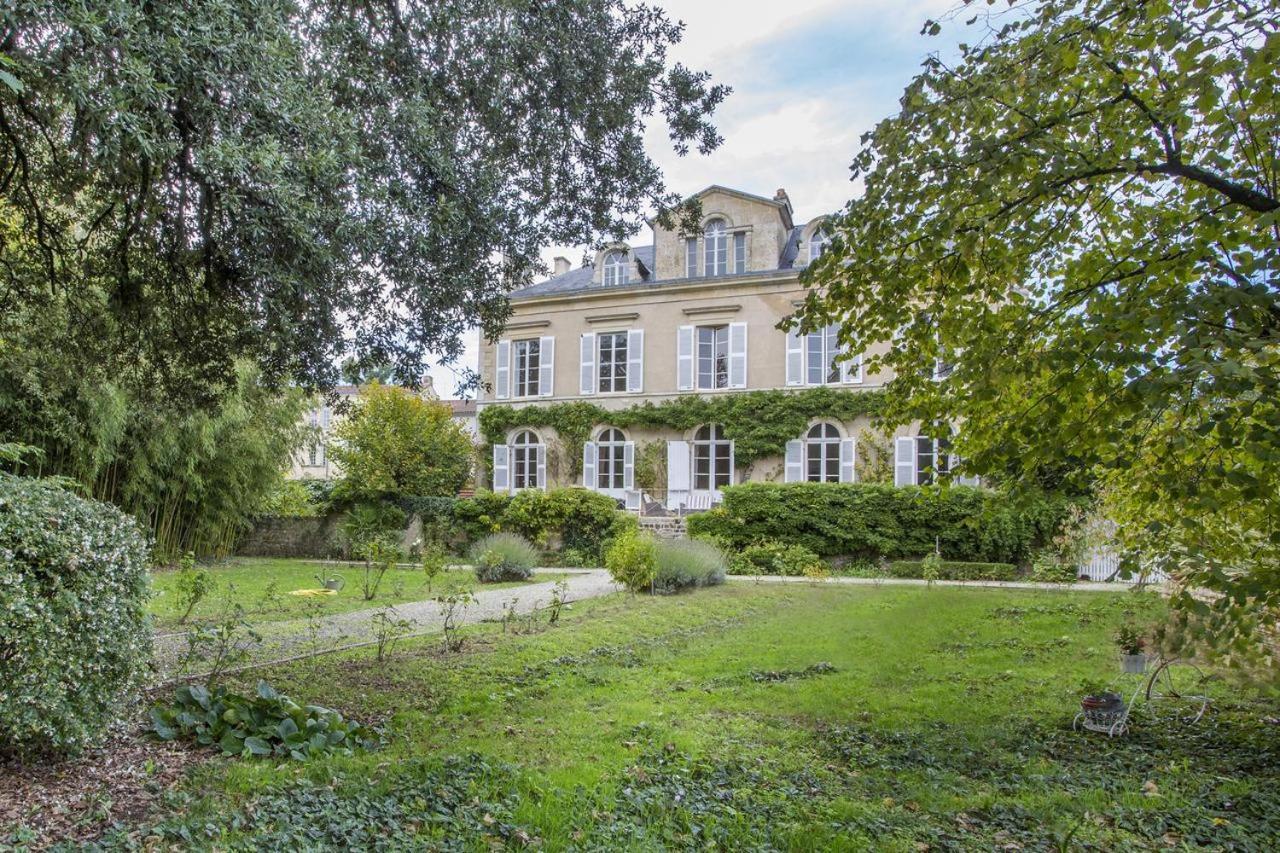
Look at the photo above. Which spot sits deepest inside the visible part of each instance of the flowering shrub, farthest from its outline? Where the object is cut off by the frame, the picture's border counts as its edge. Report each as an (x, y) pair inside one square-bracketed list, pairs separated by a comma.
[(683, 563), (503, 557), (74, 637)]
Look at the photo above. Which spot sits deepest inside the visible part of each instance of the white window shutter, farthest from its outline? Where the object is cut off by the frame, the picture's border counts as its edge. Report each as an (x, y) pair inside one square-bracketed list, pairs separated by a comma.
[(587, 381), (904, 465), (501, 468), (589, 453), (795, 357), (635, 361), (540, 451), (684, 358), (678, 466), (848, 458), (737, 355), (629, 465), (733, 465), (546, 366), (502, 372), (793, 466), (851, 369)]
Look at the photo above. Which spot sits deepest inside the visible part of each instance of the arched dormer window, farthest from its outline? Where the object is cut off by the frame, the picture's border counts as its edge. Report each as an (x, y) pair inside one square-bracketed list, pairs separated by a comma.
[(715, 249), (615, 268), (818, 242)]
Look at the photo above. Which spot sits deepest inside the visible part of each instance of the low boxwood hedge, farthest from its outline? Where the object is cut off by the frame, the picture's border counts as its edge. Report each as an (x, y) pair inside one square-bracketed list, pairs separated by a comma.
[(954, 570), (876, 522)]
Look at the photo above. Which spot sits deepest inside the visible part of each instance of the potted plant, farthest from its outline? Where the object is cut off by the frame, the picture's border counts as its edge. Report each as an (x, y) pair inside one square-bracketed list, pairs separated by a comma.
[(1132, 657)]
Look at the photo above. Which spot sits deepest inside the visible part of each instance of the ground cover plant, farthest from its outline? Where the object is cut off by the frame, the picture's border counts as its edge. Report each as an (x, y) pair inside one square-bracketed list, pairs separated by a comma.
[(262, 587), (755, 717)]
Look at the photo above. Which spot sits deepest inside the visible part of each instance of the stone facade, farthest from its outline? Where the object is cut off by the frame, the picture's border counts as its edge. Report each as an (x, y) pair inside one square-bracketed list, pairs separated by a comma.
[(679, 334)]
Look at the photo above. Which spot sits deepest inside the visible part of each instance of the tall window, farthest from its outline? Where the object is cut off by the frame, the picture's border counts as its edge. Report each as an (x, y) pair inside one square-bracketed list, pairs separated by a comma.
[(610, 460), (612, 361), (818, 243), (822, 454), (691, 257), (615, 268), (712, 459), (524, 461), (821, 349), (933, 456), (740, 252), (713, 357), (715, 249), (528, 361)]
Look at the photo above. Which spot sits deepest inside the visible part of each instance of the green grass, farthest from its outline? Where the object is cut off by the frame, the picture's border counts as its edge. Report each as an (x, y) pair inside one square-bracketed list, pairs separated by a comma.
[(749, 717), (250, 582)]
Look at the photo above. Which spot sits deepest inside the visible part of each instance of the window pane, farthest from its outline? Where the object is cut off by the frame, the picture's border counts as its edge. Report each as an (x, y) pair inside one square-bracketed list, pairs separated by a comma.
[(740, 252), (817, 367), (691, 257)]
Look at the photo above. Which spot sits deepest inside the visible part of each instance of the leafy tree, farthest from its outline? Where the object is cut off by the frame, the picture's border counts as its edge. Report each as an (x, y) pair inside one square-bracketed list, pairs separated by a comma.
[(396, 442), (1082, 212), (186, 184)]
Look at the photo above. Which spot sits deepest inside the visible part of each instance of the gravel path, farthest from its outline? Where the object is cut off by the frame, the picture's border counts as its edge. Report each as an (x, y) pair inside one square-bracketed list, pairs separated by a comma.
[(300, 637)]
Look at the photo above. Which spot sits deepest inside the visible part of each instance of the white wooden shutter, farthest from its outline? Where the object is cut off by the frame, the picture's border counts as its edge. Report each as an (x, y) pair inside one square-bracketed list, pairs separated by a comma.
[(904, 466), (733, 465), (678, 466), (848, 458), (737, 355), (546, 366), (795, 357), (587, 377), (501, 468), (629, 465), (502, 372), (851, 369), (684, 358), (540, 451), (793, 466), (635, 361), (589, 453)]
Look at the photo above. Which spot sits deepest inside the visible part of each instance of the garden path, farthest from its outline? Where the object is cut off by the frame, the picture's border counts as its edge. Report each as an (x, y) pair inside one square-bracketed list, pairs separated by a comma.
[(286, 640)]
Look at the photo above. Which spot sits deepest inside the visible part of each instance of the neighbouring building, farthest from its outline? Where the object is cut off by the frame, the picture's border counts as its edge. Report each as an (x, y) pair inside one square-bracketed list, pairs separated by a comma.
[(312, 460), (690, 315)]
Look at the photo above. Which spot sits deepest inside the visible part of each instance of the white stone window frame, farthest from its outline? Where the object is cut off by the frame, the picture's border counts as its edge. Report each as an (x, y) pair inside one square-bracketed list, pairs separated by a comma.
[(615, 267), (713, 461)]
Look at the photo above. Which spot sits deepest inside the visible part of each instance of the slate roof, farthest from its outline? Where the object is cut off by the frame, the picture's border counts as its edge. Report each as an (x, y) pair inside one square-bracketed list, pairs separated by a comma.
[(580, 279)]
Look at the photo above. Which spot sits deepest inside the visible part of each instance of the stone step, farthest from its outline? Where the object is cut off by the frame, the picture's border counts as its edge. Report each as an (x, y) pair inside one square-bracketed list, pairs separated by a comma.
[(665, 528)]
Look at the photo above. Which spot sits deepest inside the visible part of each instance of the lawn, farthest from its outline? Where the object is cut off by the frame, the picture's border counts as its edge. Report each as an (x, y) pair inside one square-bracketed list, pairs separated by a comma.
[(262, 586), (756, 717)]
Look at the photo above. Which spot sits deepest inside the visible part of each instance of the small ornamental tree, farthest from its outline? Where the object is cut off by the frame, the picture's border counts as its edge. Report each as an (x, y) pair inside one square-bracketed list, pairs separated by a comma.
[(396, 443), (74, 637)]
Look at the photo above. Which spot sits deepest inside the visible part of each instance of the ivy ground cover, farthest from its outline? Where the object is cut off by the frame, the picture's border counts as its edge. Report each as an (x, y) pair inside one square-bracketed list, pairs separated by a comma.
[(262, 587), (753, 717)]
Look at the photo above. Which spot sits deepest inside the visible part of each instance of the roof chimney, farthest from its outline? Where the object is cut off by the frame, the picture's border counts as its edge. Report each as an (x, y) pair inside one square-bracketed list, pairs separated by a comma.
[(781, 196), (562, 265)]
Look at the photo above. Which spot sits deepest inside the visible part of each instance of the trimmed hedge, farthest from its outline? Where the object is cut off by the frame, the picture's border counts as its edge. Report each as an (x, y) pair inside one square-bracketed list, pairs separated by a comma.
[(883, 522), (75, 640), (955, 570)]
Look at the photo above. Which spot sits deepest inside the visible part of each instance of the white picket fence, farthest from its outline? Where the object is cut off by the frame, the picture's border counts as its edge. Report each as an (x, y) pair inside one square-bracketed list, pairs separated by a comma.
[(1102, 564)]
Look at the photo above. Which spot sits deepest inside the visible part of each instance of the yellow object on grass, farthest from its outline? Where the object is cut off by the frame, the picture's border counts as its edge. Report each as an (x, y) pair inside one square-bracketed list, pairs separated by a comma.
[(314, 592)]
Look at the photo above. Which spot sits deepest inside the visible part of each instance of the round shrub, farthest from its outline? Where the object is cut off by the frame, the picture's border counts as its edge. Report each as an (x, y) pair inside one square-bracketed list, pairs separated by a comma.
[(74, 636), (685, 563), (632, 560), (503, 557), (775, 558)]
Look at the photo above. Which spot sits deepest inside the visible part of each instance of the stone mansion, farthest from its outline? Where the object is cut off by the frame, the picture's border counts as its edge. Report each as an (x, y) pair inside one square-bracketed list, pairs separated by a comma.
[(691, 314)]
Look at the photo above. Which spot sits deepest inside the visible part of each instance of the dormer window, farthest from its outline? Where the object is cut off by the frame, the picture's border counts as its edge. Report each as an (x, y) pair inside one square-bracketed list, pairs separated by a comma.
[(818, 243), (615, 268), (716, 249)]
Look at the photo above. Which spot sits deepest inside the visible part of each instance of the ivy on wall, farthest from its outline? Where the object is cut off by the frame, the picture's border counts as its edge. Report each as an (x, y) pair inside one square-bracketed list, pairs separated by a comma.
[(760, 423)]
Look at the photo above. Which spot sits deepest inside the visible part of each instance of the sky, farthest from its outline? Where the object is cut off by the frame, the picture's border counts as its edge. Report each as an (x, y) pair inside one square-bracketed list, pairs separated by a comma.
[(809, 77)]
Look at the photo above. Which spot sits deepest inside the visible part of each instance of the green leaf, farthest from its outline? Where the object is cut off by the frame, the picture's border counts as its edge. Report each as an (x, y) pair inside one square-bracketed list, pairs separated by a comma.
[(257, 746)]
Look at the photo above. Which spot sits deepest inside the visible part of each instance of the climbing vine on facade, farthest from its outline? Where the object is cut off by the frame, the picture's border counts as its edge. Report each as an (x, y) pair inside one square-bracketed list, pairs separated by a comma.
[(760, 423)]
